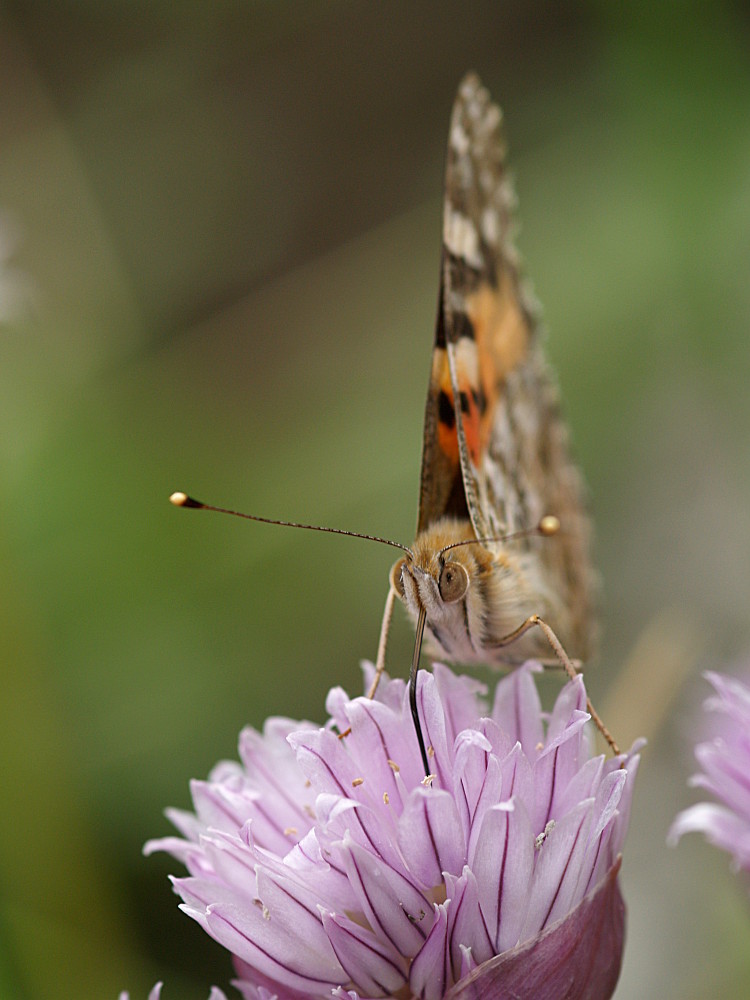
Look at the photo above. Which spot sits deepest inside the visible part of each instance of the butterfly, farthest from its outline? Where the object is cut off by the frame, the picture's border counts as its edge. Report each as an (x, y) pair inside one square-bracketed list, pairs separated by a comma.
[(500, 570)]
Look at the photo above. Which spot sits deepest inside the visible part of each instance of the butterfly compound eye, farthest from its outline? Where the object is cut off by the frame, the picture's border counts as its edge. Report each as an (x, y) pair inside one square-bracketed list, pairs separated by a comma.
[(396, 577), (453, 582)]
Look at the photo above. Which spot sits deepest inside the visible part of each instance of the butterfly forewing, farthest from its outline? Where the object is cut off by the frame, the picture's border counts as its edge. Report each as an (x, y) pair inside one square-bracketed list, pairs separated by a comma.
[(495, 448)]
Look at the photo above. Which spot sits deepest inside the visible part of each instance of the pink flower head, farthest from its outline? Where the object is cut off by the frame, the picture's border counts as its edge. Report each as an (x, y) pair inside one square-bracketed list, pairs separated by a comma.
[(329, 867), (725, 764)]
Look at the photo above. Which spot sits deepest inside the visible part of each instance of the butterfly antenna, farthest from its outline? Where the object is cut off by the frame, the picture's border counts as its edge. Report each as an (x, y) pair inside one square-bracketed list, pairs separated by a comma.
[(183, 500), (549, 525)]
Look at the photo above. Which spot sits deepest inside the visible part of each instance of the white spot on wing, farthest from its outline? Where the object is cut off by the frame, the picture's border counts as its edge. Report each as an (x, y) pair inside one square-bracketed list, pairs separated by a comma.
[(490, 227), (467, 360), (459, 140), (461, 238)]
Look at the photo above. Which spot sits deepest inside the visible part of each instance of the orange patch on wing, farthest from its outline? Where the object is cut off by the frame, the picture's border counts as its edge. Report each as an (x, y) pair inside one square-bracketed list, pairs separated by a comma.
[(448, 441), (469, 375), (474, 431), (502, 341), (500, 328)]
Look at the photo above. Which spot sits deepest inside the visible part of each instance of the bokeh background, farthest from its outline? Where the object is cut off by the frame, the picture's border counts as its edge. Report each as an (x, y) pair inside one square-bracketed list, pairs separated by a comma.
[(218, 272)]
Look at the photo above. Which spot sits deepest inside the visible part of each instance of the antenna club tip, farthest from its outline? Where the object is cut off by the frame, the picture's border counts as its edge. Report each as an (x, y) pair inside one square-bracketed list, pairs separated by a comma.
[(180, 499), (549, 525)]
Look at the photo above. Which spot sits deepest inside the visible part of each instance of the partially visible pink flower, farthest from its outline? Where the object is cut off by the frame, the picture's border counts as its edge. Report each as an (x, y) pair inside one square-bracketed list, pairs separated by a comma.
[(725, 764), (155, 993), (329, 868)]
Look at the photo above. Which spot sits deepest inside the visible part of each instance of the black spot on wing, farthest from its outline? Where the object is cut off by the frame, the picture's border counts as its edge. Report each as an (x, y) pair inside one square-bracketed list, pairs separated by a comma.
[(480, 400), (461, 327), (446, 413), (465, 277), (440, 338)]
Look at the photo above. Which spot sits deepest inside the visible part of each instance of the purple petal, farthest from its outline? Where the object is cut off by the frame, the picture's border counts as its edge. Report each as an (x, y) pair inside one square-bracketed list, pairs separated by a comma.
[(221, 805), (391, 691), (380, 745), (578, 958), (500, 741), (275, 948), (253, 985), (557, 762), (336, 703), (330, 769), (733, 697), (231, 861), (725, 775), (154, 993), (478, 782), (188, 853), (431, 837), (267, 755), (502, 864), (273, 771), (608, 797), (557, 869), (600, 853), (517, 776), (430, 971), (517, 709), (721, 827), (582, 785), (467, 930), (630, 762), (309, 862), (434, 729), (375, 970), (570, 701), (393, 907), (275, 933), (288, 902), (187, 823), (460, 697)]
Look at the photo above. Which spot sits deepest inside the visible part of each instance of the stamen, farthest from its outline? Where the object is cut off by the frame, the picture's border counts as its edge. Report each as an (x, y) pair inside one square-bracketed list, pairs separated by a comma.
[(544, 834)]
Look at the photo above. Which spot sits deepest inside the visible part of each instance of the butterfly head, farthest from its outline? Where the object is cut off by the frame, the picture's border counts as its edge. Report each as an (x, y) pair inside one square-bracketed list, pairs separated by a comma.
[(437, 576)]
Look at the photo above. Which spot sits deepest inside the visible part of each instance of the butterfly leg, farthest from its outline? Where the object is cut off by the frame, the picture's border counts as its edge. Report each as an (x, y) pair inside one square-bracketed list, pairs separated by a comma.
[(534, 621), (383, 641)]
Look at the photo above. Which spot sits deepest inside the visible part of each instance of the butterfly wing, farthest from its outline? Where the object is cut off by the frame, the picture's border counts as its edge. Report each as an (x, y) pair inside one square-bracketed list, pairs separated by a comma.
[(495, 448)]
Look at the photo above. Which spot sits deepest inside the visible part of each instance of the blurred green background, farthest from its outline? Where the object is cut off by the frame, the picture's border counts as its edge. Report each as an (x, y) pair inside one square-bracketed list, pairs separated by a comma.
[(222, 227)]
